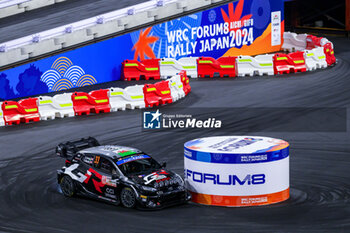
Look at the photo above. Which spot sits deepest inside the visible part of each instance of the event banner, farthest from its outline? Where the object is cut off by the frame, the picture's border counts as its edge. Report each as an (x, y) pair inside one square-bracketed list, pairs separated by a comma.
[(244, 27)]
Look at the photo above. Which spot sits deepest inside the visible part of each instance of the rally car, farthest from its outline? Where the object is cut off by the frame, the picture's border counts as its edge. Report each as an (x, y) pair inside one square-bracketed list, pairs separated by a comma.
[(118, 174)]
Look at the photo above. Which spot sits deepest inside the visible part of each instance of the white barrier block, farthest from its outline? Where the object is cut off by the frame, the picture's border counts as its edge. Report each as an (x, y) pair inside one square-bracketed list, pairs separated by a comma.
[(2, 122), (10, 10), (169, 67), (74, 38), (176, 89), (195, 4), (315, 59), (167, 10), (45, 46), (294, 42), (12, 56), (116, 99), (259, 65), (105, 29), (60, 106), (324, 41), (35, 4), (131, 97), (138, 19), (135, 94)]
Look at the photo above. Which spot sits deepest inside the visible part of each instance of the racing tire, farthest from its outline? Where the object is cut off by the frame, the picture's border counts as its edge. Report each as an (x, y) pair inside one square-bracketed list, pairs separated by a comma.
[(67, 186), (128, 197)]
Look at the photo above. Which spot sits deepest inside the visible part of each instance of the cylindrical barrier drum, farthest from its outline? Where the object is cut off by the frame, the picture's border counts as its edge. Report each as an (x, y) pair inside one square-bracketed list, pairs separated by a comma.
[(237, 170)]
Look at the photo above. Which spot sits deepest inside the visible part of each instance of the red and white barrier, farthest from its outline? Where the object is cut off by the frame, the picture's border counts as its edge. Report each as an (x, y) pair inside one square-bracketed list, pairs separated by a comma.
[(258, 65), (58, 106), (320, 55), (314, 42), (315, 59), (157, 94), (169, 67), (222, 67), (176, 88), (2, 122), (289, 63), (23, 111), (185, 82), (294, 42), (105, 100), (329, 52), (92, 102), (128, 98), (135, 70)]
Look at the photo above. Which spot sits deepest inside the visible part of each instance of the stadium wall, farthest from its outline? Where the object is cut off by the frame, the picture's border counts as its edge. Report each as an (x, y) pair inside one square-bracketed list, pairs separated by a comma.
[(245, 27)]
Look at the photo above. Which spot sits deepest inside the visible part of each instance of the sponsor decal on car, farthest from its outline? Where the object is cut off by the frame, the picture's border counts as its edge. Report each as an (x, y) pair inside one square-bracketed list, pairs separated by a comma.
[(133, 158), (156, 176), (108, 181)]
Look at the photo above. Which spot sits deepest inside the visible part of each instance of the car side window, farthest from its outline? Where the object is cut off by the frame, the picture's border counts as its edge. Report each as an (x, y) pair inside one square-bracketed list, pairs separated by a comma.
[(87, 159), (104, 165)]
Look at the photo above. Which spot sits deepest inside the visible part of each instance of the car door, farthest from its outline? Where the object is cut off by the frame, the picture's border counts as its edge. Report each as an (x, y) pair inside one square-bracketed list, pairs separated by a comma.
[(104, 169)]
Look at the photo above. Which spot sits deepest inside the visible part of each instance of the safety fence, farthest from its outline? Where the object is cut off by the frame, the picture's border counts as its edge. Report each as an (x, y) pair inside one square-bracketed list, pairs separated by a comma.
[(307, 53), (99, 101)]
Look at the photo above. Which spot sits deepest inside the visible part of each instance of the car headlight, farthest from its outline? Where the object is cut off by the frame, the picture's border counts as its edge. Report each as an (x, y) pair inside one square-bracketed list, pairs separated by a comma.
[(149, 189), (179, 180)]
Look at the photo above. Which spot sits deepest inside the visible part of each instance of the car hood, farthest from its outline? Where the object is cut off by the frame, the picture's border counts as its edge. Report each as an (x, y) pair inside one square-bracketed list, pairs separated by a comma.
[(151, 178)]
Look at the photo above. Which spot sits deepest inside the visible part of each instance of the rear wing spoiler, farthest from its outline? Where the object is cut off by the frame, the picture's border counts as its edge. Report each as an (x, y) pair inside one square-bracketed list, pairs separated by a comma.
[(69, 149)]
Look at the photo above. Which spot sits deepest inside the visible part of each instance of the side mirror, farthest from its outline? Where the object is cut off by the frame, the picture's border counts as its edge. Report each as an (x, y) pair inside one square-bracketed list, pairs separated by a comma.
[(115, 176), (163, 164)]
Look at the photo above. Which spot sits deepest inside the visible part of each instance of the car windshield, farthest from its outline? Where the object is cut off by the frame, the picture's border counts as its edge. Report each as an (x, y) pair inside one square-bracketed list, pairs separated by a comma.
[(137, 164)]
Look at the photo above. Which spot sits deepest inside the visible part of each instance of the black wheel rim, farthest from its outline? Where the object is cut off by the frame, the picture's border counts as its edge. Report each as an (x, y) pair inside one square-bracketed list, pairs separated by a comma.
[(128, 198), (67, 186)]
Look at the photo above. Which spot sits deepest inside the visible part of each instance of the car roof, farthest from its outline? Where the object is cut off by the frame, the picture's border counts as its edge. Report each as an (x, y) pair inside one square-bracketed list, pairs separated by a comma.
[(112, 151)]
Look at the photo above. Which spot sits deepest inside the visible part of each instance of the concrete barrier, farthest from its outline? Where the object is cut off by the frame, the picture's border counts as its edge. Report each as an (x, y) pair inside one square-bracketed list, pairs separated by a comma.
[(131, 21), (167, 10), (100, 30), (46, 46), (14, 7), (73, 38), (194, 4), (12, 56)]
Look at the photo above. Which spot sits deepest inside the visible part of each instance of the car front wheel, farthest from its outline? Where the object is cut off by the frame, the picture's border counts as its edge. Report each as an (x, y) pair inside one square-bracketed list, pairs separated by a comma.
[(128, 197), (67, 186)]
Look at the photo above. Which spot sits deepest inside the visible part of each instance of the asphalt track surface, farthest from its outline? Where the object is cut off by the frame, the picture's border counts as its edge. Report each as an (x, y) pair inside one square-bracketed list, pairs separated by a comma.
[(56, 15), (319, 163)]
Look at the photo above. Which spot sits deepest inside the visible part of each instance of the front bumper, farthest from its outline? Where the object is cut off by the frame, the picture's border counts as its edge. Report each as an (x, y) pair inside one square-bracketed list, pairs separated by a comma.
[(164, 199)]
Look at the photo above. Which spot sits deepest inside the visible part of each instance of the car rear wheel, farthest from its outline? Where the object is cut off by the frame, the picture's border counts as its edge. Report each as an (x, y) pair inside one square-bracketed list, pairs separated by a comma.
[(128, 197), (67, 186)]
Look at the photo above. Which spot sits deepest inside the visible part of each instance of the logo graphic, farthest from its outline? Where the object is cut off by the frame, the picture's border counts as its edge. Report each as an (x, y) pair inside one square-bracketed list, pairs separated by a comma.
[(235, 14), (212, 16), (63, 75), (142, 46), (156, 176), (152, 120)]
